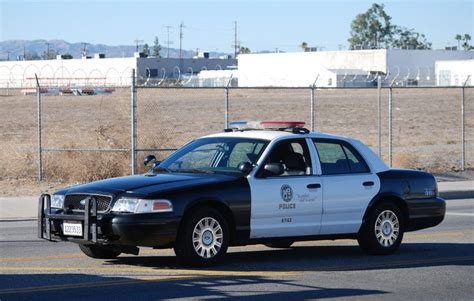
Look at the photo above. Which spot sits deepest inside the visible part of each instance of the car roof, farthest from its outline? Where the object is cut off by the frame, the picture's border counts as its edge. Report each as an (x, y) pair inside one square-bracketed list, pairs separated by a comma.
[(272, 135)]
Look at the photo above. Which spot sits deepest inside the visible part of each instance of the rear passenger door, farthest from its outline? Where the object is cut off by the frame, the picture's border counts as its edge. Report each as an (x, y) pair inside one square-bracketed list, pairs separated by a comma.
[(348, 186)]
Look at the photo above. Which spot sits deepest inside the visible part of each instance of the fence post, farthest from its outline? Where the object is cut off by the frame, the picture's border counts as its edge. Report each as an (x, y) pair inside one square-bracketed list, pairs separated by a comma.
[(226, 103), (40, 149), (463, 127), (312, 120), (390, 120), (133, 133), (379, 115), (390, 126)]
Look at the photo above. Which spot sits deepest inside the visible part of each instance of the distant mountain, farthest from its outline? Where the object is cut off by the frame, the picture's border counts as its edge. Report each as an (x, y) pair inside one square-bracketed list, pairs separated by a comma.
[(15, 49)]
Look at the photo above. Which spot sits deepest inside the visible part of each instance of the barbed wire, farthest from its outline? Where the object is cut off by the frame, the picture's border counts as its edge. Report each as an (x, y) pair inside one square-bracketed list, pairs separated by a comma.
[(18, 76)]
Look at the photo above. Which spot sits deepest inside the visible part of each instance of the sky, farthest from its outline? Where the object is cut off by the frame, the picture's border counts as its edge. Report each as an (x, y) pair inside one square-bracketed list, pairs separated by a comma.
[(209, 25)]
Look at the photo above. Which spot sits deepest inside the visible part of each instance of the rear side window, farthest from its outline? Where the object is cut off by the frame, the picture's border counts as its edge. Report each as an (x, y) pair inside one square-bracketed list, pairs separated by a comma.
[(338, 157)]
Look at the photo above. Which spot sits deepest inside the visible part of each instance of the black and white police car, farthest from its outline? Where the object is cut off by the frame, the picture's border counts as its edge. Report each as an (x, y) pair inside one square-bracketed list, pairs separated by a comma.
[(259, 182)]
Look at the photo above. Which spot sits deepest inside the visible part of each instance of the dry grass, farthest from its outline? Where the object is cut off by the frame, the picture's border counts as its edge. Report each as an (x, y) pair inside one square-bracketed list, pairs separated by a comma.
[(426, 125)]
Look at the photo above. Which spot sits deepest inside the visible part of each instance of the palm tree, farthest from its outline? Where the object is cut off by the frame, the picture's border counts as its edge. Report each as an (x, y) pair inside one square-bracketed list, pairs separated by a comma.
[(458, 38), (466, 40)]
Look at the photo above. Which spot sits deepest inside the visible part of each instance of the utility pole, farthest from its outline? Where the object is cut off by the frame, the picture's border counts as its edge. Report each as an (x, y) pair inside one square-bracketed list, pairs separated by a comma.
[(24, 52), (236, 46), (181, 47), (47, 51), (84, 49), (137, 43), (8, 55), (168, 42), (181, 40)]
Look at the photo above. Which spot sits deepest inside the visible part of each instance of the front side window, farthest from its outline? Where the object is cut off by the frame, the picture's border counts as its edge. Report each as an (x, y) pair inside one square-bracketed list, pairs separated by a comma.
[(293, 155), (338, 157), (214, 154)]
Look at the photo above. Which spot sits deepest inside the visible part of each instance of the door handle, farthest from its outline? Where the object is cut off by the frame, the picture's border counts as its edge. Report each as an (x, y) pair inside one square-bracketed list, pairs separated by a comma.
[(312, 186), (368, 183)]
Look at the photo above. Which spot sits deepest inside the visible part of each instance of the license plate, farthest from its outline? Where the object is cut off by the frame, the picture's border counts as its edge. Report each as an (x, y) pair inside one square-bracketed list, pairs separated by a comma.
[(72, 228)]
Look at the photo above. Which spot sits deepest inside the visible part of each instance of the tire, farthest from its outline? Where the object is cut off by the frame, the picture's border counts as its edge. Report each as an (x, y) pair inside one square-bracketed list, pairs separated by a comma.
[(382, 233), (280, 245), (203, 238), (98, 252)]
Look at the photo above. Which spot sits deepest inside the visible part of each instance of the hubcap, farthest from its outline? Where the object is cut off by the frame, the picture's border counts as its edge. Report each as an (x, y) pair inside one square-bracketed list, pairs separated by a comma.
[(387, 228), (207, 237)]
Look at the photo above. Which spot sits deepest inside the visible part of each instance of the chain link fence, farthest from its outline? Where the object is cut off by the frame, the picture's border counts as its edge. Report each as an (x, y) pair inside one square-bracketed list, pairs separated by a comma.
[(85, 138), (95, 136)]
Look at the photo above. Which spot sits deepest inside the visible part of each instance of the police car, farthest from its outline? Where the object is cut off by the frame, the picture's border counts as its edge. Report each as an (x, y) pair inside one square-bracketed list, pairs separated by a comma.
[(269, 183)]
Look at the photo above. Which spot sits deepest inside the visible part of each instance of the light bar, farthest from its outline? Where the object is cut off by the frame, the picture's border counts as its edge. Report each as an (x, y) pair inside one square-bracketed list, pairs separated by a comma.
[(282, 124), (242, 125)]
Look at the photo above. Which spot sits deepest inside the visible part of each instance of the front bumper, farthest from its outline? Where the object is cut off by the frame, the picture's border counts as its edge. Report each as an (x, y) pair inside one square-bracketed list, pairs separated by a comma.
[(147, 229), (425, 213)]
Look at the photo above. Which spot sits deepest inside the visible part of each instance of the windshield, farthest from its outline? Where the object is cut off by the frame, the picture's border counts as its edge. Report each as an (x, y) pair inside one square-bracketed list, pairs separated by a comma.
[(213, 155)]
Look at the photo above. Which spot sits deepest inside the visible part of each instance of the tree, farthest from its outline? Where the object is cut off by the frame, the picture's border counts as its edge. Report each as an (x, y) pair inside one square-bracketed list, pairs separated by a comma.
[(146, 50), (156, 48), (405, 38), (466, 38), (30, 56), (372, 29), (51, 55), (67, 56), (244, 50), (304, 45), (458, 37)]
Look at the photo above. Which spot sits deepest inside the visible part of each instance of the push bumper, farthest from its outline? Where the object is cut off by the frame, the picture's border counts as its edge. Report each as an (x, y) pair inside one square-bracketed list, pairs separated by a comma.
[(425, 213), (149, 229)]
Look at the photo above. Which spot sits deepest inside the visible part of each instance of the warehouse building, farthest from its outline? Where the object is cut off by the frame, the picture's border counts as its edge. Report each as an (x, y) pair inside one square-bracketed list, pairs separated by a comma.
[(455, 73), (101, 71), (344, 68)]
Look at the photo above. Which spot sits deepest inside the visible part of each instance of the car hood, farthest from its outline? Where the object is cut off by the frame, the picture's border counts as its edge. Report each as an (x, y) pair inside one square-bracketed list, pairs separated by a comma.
[(146, 182)]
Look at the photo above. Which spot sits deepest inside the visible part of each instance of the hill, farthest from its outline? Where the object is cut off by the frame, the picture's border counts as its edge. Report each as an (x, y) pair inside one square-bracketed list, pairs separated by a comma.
[(35, 48)]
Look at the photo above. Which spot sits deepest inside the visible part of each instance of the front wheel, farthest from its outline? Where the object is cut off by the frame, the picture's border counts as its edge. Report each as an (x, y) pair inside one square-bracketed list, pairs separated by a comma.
[(203, 238), (382, 233), (99, 252)]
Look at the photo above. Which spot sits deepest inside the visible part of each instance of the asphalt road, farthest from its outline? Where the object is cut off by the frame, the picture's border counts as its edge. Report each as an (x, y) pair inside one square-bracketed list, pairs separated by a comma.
[(433, 264)]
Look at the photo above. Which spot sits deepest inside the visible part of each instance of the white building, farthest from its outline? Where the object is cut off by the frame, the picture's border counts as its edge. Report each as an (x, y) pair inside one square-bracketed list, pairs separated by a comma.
[(337, 68), (98, 71), (455, 73)]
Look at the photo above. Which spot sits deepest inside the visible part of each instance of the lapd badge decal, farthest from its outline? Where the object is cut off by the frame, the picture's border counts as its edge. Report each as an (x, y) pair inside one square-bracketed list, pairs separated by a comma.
[(286, 193)]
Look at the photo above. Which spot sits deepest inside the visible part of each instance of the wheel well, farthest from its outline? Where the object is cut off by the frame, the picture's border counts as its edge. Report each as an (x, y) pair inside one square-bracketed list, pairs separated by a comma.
[(400, 203), (219, 206)]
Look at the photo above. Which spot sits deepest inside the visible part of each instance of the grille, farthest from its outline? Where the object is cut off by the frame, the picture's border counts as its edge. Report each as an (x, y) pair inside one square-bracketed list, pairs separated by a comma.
[(73, 202)]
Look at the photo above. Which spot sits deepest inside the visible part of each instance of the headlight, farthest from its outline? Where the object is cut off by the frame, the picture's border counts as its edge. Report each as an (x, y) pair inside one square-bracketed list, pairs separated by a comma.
[(142, 206), (57, 201)]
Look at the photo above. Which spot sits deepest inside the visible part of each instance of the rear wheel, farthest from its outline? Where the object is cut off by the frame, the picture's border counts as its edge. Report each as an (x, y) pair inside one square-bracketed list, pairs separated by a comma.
[(382, 233), (203, 238), (99, 252), (280, 244)]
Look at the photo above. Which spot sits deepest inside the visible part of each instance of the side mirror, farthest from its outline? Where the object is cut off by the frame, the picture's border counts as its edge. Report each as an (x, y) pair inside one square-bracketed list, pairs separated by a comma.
[(245, 167), (273, 169), (148, 159)]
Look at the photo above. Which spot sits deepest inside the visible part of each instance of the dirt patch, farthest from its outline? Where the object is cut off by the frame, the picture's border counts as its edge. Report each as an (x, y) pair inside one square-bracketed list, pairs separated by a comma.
[(426, 126)]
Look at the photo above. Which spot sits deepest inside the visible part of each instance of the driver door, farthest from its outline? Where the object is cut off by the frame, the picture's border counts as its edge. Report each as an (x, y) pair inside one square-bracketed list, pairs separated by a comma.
[(289, 204)]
